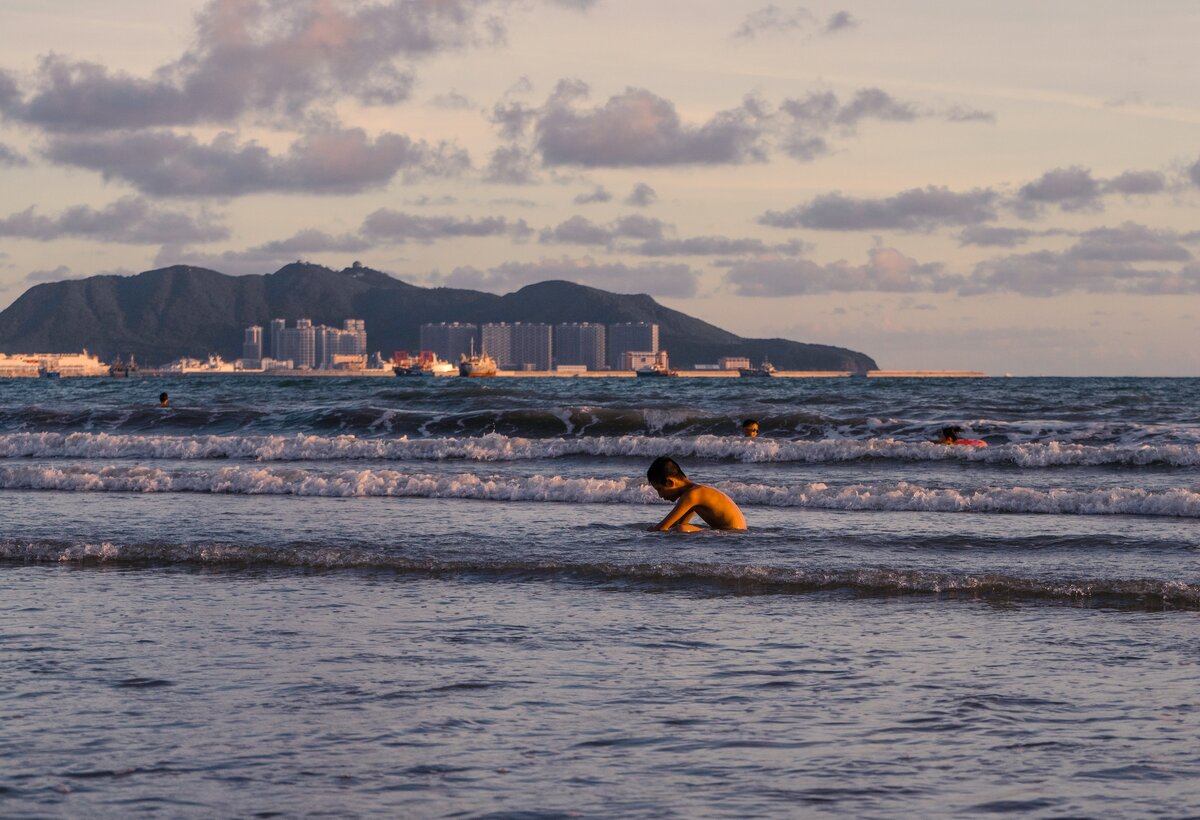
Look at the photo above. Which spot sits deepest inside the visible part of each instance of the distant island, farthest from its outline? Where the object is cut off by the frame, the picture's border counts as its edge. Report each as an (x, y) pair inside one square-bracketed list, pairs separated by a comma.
[(181, 310)]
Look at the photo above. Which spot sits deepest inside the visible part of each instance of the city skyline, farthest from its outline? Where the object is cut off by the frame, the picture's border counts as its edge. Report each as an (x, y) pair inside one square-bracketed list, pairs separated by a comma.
[(1010, 189)]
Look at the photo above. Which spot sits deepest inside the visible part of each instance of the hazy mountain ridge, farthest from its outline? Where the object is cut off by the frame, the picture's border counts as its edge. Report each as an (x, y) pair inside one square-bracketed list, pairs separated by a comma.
[(181, 310)]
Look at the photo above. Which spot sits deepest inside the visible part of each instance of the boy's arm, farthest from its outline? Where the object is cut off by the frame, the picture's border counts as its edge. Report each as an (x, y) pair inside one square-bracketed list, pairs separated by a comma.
[(679, 514)]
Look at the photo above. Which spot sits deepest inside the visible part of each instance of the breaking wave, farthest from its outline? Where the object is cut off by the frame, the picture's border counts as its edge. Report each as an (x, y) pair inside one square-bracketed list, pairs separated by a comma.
[(882, 496), (498, 447), (738, 578)]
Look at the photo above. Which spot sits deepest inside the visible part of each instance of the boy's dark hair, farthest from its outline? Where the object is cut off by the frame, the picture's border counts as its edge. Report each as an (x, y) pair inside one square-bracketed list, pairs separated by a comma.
[(951, 432), (748, 422), (663, 469)]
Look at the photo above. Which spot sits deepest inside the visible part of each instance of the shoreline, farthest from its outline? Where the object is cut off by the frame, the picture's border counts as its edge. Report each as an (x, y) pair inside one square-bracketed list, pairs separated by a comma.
[(552, 374)]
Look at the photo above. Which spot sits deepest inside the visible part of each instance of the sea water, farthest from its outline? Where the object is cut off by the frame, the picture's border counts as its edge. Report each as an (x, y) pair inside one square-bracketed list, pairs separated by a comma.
[(438, 598)]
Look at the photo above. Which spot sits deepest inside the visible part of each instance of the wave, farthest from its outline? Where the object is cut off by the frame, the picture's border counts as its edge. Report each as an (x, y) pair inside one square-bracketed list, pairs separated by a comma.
[(740, 578), (497, 447), (899, 496)]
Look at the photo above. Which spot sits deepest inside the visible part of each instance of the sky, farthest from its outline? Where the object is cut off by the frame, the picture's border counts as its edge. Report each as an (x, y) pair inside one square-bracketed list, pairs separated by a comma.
[(1012, 188)]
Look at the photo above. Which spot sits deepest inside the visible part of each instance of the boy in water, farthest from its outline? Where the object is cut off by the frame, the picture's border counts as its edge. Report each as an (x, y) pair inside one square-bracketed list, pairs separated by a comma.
[(750, 428), (714, 507), (953, 435)]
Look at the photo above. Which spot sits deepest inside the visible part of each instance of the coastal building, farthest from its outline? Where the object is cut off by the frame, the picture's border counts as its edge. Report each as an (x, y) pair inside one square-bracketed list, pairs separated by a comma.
[(519, 345), (276, 329), (639, 337), (252, 347), (733, 362), (579, 343), (642, 359), (449, 340), (297, 343), (331, 343)]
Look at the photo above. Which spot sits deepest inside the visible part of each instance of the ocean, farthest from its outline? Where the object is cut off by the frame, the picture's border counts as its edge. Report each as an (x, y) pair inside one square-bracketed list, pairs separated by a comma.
[(438, 598)]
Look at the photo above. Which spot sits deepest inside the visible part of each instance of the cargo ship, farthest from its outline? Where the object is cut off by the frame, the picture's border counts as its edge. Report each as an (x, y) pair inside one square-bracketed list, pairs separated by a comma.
[(766, 369), (425, 363), (477, 365)]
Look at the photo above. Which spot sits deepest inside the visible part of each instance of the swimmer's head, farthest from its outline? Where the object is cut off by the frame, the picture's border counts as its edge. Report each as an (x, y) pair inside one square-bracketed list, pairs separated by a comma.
[(951, 433), (162, 399), (666, 477), (750, 428)]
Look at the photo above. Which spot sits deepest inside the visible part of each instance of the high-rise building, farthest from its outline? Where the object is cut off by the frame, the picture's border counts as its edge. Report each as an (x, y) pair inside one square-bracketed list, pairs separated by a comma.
[(627, 336), (579, 343), (519, 345), (448, 340), (277, 326), (349, 340), (252, 344), (496, 340), (298, 344)]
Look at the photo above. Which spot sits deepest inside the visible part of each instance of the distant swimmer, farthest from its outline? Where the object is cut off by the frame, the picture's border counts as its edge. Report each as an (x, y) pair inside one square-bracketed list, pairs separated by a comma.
[(950, 435), (714, 507), (163, 400), (750, 428)]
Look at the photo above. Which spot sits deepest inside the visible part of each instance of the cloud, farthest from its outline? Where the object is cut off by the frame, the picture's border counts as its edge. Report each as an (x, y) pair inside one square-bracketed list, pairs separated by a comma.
[(1047, 273), (638, 128), (671, 280), (965, 113), (511, 165), (36, 277), (1129, 242), (580, 230), (1194, 173), (1133, 183), (162, 163), (131, 220), (840, 21), (452, 101), (989, 235), (10, 158), (395, 227), (913, 210), (808, 122), (715, 246), (642, 196), (597, 194), (310, 241), (771, 19), (258, 56), (886, 270), (1071, 189)]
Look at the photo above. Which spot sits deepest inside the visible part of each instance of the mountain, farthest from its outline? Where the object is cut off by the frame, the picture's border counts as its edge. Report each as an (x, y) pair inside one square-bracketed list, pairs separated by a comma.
[(178, 311)]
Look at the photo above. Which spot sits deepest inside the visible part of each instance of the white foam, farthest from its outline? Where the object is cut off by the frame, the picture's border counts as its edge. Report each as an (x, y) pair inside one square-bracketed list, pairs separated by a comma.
[(497, 447), (883, 496)]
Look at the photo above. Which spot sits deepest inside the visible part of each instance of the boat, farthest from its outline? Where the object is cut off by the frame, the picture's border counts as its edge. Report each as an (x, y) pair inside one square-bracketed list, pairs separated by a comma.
[(656, 371), (120, 369), (426, 363), (477, 365), (766, 369), (49, 373)]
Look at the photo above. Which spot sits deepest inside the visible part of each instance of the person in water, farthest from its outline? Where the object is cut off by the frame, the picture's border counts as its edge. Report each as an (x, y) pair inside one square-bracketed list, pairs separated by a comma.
[(163, 400), (952, 435), (714, 507), (750, 428)]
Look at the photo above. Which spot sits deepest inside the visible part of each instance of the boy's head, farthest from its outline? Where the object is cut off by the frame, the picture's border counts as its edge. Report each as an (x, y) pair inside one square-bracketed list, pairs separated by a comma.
[(951, 433), (666, 477), (750, 428)]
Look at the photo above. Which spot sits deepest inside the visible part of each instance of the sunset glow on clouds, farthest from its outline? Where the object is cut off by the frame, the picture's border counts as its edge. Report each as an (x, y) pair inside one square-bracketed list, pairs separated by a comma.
[(1009, 189)]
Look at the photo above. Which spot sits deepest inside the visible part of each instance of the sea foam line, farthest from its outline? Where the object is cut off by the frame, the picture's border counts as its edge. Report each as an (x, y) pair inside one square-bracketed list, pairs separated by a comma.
[(880, 496), (738, 577), (497, 447)]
